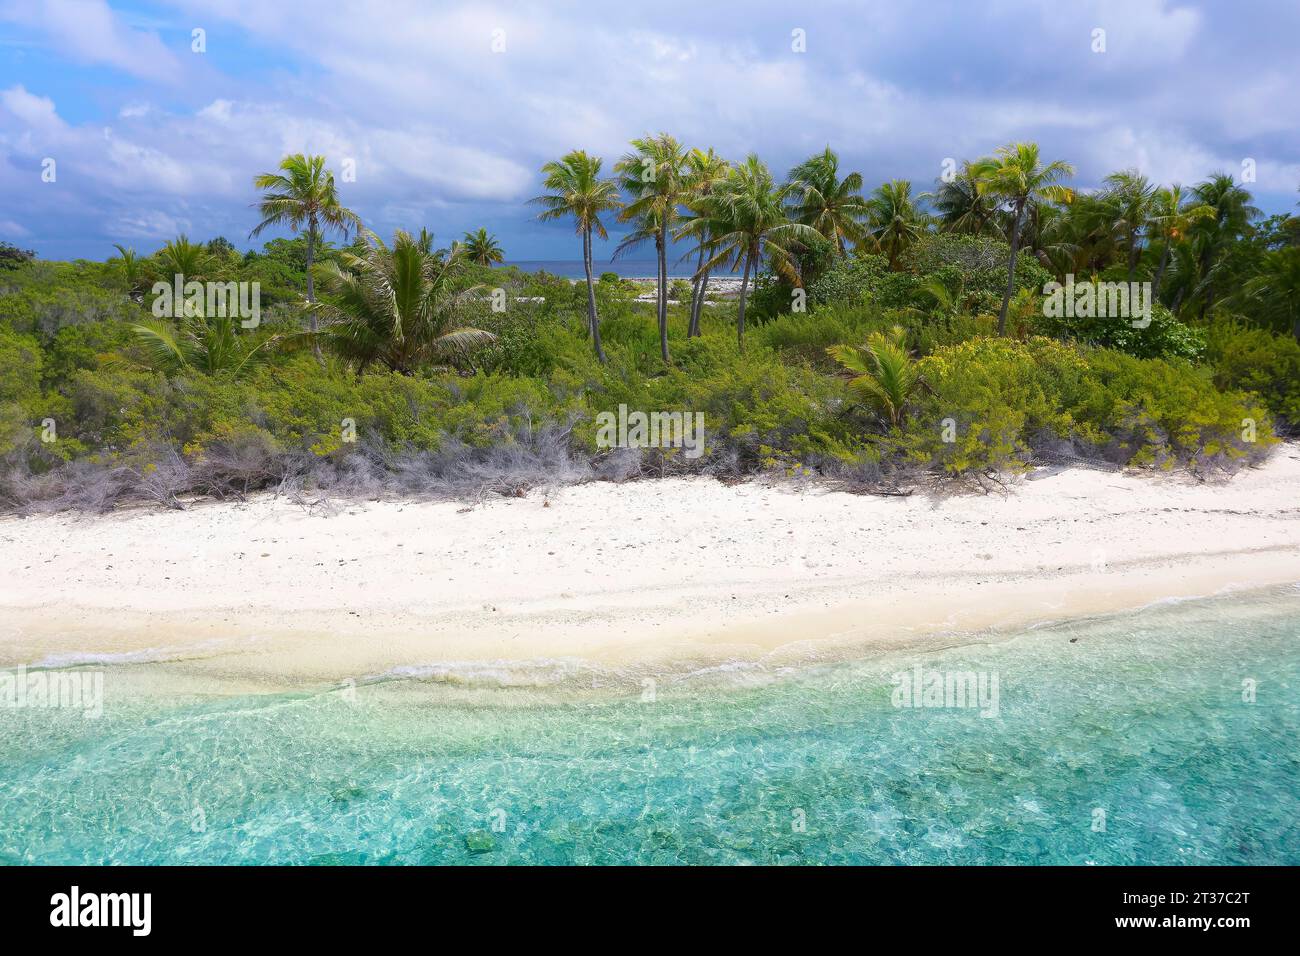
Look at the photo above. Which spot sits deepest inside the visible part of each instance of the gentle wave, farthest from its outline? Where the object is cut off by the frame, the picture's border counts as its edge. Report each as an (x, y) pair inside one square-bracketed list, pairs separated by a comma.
[(148, 655), (1150, 719)]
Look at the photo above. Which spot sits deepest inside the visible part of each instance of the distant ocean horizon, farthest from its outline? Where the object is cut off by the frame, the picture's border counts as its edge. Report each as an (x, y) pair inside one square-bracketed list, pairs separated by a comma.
[(624, 268)]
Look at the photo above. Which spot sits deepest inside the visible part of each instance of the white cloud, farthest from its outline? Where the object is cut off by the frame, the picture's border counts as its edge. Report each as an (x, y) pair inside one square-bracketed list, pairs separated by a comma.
[(217, 110), (37, 113), (147, 224), (438, 123), (87, 31)]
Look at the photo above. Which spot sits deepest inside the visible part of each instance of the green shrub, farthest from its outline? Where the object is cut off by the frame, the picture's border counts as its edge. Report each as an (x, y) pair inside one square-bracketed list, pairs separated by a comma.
[(806, 335), (12, 257), (992, 403), (757, 407), (526, 340), (1258, 361), (20, 366), (44, 310), (857, 280), (849, 281), (981, 261), (783, 403), (1163, 337), (76, 347), (114, 407), (950, 273)]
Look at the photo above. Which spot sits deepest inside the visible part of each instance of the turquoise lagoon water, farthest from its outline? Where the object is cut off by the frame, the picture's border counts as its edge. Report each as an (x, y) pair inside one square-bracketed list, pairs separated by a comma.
[(1141, 715)]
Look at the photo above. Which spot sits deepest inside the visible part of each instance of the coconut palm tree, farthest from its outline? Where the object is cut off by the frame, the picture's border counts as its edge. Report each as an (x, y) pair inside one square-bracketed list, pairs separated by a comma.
[(887, 376), (482, 249), (1056, 238), (960, 205), (1083, 238), (894, 221), (747, 221), (1291, 229), (195, 341), (1016, 176), (210, 345), (1131, 197), (180, 257), (706, 170), (1231, 218), (656, 178), (398, 307), (1184, 279), (832, 206), (577, 190), (1172, 215), (1277, 286), (302, 196), (132, 269)]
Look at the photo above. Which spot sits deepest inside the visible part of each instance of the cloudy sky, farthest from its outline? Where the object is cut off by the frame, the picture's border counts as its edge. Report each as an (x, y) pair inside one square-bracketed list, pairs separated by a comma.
[(447, 109)]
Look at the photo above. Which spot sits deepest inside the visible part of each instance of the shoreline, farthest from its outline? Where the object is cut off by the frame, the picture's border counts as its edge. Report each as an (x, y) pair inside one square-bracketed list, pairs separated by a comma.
[(665, 577)]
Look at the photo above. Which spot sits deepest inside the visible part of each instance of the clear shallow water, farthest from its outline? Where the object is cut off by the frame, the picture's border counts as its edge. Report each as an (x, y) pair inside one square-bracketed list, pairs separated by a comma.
[(1140, 715)]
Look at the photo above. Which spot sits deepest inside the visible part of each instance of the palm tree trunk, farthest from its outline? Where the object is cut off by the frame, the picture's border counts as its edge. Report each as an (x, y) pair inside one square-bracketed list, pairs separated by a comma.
[(697, 293), (1207, 258), (1160, 271), (740, 311), (699, 306), (663, 293), (311, 291), (1011, 270), (593, 322), (1045, 261)]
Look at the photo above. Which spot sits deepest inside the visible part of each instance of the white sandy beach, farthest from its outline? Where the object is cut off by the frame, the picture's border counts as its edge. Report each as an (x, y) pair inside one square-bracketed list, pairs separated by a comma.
[(676, 571)]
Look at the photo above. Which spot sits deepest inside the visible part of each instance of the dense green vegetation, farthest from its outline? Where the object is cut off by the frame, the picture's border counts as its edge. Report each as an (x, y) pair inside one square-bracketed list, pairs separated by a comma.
[(875, 336)]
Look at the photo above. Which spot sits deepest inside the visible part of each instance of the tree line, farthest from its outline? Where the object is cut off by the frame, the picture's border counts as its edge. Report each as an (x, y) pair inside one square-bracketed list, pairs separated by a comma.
[(1202, 247)]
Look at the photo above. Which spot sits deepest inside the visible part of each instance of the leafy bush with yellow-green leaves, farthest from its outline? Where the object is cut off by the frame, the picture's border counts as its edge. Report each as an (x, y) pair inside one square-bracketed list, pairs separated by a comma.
[(807, 336), (1162, 336), (20, 366), (1258, 361), (523, 411), (999, 404)]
